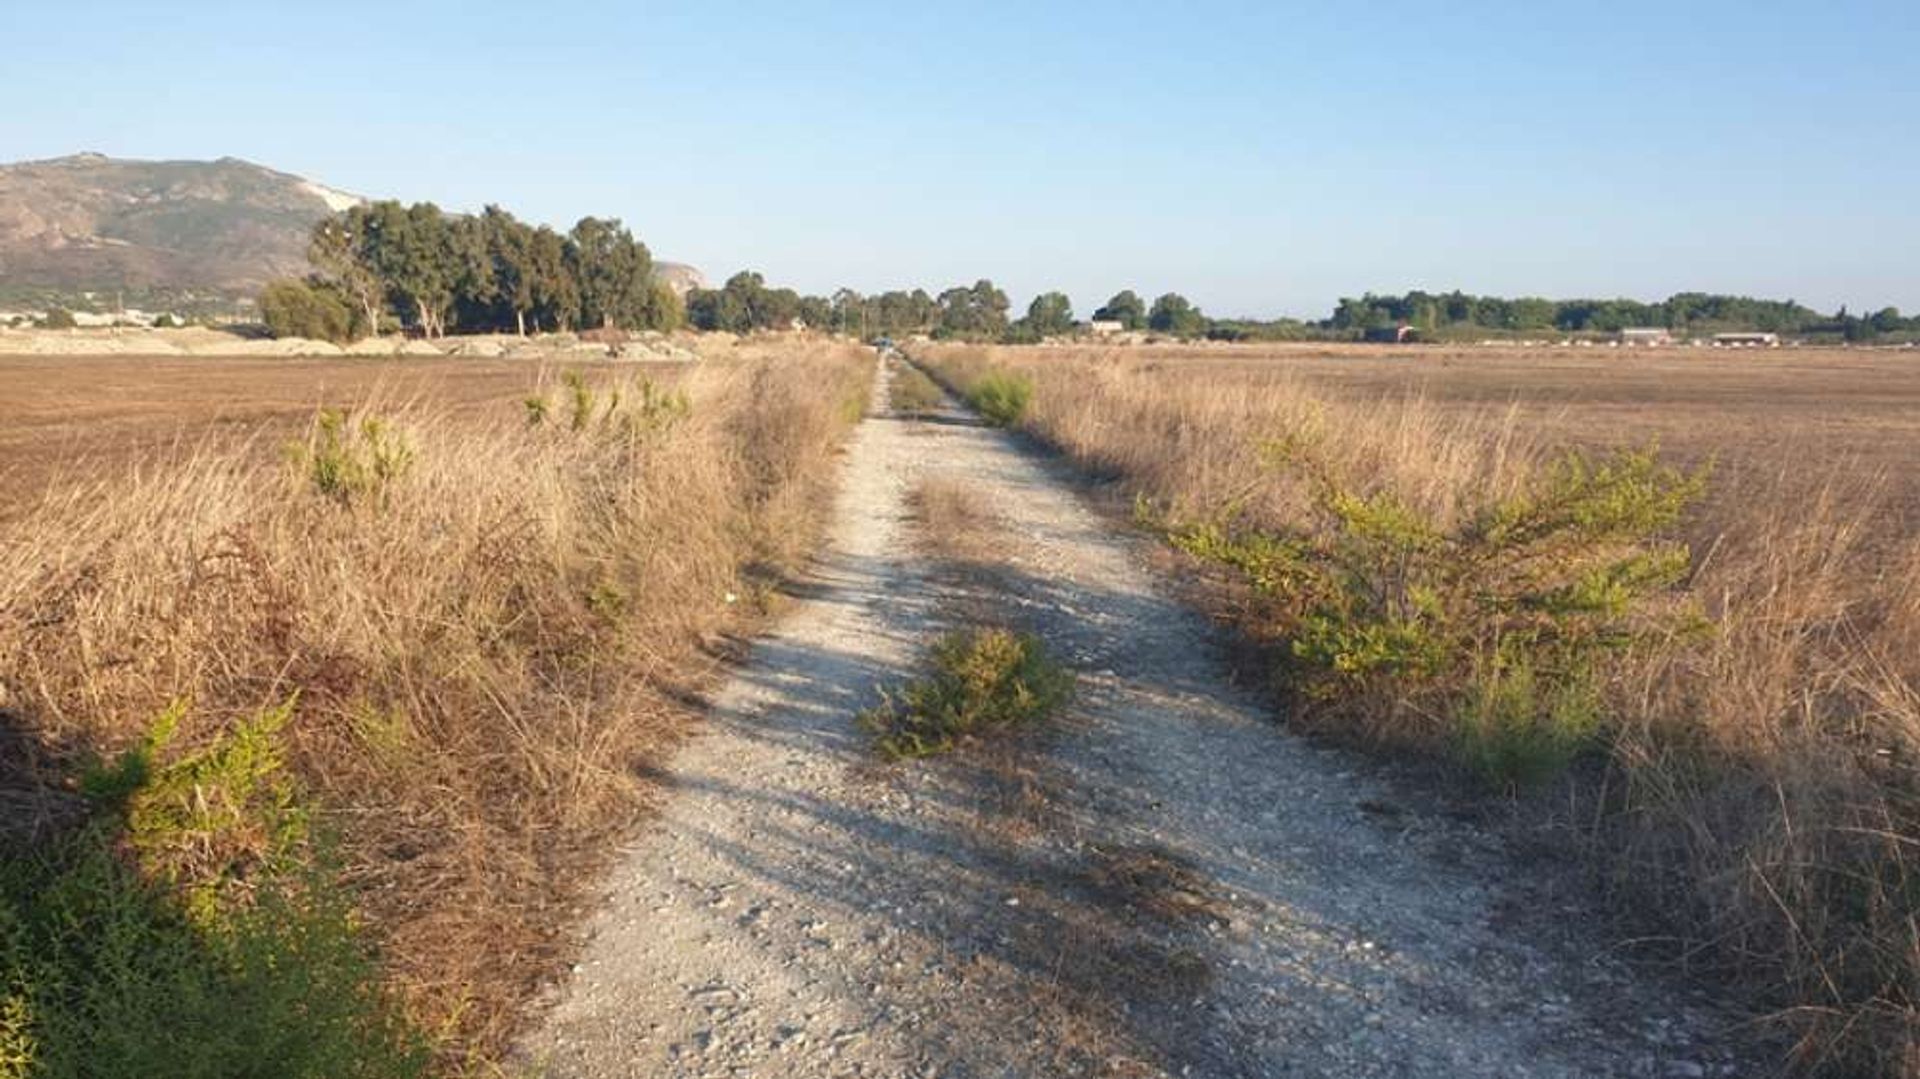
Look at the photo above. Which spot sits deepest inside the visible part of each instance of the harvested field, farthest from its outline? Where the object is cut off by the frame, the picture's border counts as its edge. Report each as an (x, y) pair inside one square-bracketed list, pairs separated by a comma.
[(74, 418), (1857, 409)]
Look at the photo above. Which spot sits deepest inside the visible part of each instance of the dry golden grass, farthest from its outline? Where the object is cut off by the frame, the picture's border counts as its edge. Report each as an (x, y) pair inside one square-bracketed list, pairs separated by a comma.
[(1758, 788), (488, 650)]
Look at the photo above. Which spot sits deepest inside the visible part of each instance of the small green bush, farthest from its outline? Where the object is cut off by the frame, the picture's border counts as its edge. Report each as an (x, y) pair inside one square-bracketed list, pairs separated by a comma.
[(345, 461), (1490, 634), (186, 930), (59, 318), (982, 679), (1001, 397)]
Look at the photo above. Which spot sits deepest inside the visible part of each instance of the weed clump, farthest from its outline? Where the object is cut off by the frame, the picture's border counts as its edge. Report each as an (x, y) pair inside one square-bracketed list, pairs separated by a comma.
[(345, 461), (642, 408), (185, 929), (983, 679), (1001, 397)]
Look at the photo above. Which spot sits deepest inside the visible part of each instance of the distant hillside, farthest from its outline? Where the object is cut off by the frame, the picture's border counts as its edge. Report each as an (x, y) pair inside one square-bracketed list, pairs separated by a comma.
[(680, 277), (95, 223), (164, 231)]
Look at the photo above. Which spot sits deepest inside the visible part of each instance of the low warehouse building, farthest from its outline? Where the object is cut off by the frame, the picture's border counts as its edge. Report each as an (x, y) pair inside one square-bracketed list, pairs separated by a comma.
[(1746, 340)]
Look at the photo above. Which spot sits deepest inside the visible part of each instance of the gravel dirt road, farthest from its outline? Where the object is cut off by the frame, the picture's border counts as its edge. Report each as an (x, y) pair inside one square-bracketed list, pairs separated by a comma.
[(1165, 883)]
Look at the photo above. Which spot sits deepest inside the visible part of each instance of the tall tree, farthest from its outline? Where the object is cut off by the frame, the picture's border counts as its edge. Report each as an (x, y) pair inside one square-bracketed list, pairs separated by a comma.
[(974, 313), (1126, 308), (413, 256), (510, 249), (1050, 314), (341, 248), (613, 271), (556, 293), (1175, 314)]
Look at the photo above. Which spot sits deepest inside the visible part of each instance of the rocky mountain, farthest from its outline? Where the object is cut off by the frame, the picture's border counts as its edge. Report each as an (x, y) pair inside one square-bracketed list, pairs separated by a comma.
[(90, 223)]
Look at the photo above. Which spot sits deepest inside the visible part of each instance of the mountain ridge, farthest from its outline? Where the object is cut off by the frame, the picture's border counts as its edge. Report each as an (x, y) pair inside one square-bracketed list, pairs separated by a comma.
[(168, 229)]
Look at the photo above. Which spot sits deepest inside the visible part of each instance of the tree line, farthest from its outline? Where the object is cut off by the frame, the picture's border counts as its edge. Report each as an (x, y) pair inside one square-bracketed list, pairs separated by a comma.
[(977, 312), (1448, 314), (384, 264)]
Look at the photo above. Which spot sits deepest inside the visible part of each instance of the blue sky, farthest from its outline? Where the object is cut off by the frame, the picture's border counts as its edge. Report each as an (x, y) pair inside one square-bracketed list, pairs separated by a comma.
[(1261, 158)]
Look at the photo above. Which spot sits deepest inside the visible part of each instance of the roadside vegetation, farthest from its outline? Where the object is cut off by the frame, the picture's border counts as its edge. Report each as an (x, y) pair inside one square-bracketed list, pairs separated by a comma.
[(912, 393), (1001, 397), (1714, 697), (304, 758)]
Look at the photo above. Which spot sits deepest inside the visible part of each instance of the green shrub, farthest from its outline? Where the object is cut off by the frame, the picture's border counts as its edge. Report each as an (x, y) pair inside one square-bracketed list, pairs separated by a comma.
[(300, 309), (185, 930), (1489, 634), (1001, 397), (982, 679), (59, 318), (345, 461)]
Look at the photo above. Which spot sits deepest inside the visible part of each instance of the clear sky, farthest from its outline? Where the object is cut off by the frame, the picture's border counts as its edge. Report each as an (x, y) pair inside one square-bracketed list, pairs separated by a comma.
[(1262, 159)]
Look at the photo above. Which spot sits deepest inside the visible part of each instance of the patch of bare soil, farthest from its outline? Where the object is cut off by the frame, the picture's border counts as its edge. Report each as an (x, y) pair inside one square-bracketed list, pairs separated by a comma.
[(1163, 884)]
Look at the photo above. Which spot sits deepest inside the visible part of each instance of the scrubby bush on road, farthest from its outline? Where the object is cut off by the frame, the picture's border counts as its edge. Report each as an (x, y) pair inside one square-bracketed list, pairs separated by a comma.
[(982, 680)]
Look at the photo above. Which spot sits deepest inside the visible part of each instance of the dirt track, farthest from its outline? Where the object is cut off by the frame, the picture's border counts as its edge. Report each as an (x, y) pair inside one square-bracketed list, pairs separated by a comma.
[(1166, 884)]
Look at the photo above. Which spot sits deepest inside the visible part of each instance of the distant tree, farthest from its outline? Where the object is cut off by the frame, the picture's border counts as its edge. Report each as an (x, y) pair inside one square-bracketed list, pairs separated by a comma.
[(314, 310), (475, 287), (665, 312), (976, 313), (1050, 314), (342, 249), (613, 271), (1125, 308), (59, 318), (849, 312), (1175, 314), (412, 254), (816, 312), (703, 309), (776, 309), (556, 292), (509, 247)]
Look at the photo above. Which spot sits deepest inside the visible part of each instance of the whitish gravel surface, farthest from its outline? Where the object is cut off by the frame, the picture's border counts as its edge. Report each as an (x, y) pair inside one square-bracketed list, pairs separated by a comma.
[(1167, 884)]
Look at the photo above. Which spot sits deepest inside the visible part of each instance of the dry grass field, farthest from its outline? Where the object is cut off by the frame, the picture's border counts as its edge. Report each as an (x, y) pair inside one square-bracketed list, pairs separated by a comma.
[(1733, 725), (71, 418), (1830, 410), (450, 636)]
